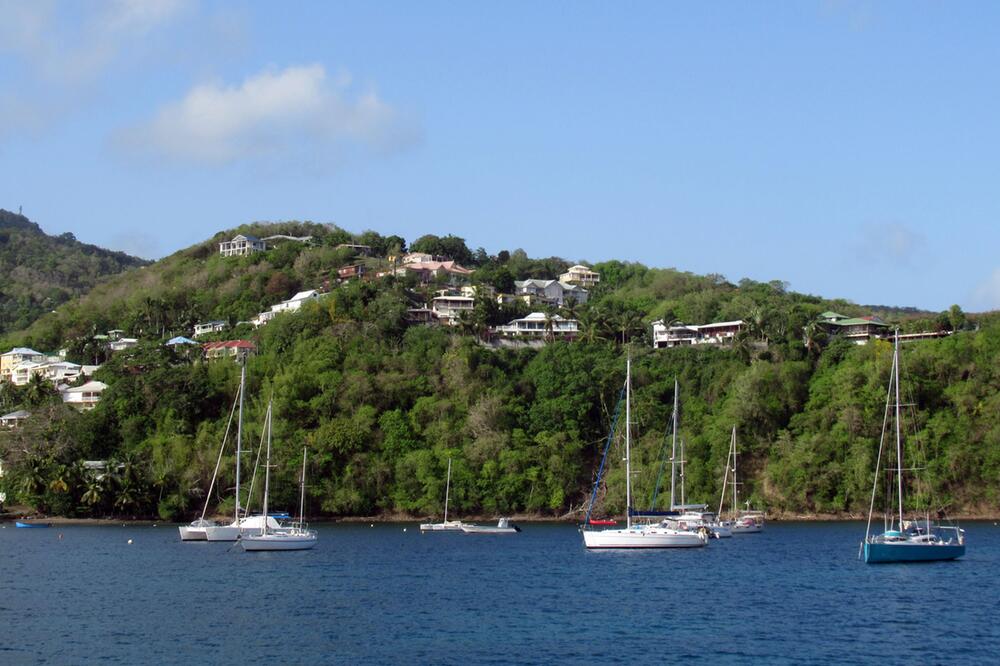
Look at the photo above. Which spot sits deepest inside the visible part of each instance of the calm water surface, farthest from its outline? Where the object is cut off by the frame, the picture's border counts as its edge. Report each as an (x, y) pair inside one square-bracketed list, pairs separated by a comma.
[(794, 594)]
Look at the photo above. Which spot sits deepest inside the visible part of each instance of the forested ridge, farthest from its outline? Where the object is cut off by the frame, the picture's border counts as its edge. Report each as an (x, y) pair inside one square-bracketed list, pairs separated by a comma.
[(382, 405), (40, 272)]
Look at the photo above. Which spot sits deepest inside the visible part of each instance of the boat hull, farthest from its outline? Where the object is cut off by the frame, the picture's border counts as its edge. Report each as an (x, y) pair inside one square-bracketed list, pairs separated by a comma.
[(233, 531), (20, 524), (884, 553), (642, 539), (256, 543), (480, 529), (189, 533), (450, 526)]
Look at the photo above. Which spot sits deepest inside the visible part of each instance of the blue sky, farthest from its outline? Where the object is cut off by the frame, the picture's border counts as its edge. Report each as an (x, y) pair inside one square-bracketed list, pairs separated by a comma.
[(849, 148)]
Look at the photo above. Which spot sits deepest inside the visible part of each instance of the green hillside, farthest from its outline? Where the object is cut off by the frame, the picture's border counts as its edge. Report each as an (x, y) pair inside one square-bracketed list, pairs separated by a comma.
[(41, 272), (382, 406)]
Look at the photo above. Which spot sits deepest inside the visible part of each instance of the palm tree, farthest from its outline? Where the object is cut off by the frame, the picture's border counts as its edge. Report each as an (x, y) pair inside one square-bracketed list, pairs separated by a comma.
[(38, 391), (813, 337)]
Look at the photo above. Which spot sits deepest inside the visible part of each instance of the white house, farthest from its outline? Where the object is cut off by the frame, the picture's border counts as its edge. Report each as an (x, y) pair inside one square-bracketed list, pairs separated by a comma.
[(580, 275), (291, 305), (538, 325), (84, 397), (679, 335), (552, 292), (241, 245), (209, 327)]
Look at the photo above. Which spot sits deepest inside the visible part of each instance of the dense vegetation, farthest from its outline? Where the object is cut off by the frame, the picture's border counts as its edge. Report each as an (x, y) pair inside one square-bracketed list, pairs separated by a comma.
[(41, 272), (382, 406)]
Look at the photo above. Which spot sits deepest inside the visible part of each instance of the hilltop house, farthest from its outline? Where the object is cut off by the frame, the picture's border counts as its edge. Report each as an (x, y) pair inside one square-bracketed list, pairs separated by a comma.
[(84, 397), (209, 327), (241, 246), (679, 335), (549, 292), (580, 275), (858, 330), (540, 326), (237, 350)]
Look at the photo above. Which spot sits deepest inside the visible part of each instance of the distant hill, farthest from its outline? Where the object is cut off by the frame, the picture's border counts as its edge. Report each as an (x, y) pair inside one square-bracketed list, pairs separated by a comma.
[(40, 272)]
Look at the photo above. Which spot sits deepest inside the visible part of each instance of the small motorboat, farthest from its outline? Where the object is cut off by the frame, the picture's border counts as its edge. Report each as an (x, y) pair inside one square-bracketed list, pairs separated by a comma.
[(602, 521), (503, 526), (20, 524)]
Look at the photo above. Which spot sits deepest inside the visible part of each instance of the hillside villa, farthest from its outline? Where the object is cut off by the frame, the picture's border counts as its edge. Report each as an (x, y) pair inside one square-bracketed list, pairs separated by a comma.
[(238, 350), (549, 292), (538, 325), (241, 246), (679, 335), (84, 397), (209, 327), (858, 330), (580, 275), (291, 305)]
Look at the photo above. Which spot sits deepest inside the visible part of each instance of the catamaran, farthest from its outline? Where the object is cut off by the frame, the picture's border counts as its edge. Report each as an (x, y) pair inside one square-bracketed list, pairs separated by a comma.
[(741, 522), (656, 535), (296, 538), (915, 540), (445, 525)]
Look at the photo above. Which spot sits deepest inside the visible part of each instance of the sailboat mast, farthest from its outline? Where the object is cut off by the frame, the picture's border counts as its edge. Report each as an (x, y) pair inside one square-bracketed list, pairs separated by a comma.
[(302, 491), (899, 438), (628, 443), (447, 491), (683, 500), (239, 437), (736, 499), (725, 480), (267, 470), (673, 450)]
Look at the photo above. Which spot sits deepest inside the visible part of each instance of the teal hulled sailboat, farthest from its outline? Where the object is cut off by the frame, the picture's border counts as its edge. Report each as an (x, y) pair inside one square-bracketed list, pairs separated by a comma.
[(916, 540)]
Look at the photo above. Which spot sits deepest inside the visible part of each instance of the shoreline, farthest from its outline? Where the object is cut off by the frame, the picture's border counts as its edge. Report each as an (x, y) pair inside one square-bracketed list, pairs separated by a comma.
[(480, 518)]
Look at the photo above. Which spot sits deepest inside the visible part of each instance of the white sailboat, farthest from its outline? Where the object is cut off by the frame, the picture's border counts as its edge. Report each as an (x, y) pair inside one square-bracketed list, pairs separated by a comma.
[(658, 535), (296, 538), (742, 522), (196, 530), (445, 525), (241, 521)]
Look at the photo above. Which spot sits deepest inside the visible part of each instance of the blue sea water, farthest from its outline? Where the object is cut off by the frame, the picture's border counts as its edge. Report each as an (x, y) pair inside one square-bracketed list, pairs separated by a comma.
[(793, 594)]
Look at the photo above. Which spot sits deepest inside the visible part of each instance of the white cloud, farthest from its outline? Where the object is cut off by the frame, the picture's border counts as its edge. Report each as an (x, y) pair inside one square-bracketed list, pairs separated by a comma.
[(273, 113), (986, 296), (58, 51)]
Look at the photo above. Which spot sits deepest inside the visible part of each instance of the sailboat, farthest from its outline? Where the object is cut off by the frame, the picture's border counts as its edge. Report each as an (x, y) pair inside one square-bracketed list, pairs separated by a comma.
[(196, 530), (688, 516), (742, 522), (296, 538), (916, 540), (657, 535), (445, 525), (241, 521)]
